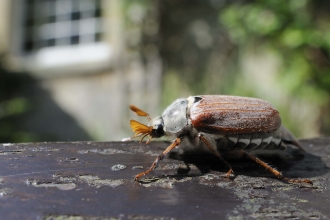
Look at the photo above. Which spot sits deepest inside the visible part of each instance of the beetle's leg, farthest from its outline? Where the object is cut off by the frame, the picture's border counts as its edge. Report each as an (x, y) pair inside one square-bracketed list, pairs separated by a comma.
[(216, 153), (274, 171), (175, 143)]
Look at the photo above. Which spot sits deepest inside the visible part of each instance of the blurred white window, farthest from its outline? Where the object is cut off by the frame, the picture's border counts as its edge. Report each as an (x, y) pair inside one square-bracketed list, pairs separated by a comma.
[(60, 33)]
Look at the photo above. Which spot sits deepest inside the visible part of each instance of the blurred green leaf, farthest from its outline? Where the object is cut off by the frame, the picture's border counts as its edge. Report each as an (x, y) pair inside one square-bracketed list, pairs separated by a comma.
[(13, 107), (300, 35)]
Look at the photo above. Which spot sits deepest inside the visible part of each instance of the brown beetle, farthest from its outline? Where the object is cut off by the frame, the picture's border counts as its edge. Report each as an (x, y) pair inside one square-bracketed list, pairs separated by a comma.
[(221, 123)]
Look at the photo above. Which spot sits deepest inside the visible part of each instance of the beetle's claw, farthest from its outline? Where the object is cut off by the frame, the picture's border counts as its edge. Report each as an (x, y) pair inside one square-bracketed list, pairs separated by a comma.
[(136, 178), (230, 171), (229, 174), (299, 181)]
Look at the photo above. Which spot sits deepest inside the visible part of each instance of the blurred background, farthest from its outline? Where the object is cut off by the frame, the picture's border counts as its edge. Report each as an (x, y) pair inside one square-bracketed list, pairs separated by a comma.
[(70, 68)]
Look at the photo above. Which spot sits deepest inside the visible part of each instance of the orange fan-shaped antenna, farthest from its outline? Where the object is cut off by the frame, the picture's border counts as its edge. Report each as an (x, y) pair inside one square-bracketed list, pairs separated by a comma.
[(139, 128), (139, 112)]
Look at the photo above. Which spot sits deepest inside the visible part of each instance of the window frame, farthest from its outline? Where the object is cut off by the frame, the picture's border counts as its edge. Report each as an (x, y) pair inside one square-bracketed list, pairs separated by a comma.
[(75, 59)]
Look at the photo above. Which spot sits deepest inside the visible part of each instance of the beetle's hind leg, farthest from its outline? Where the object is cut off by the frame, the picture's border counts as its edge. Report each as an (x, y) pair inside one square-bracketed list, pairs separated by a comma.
[(216, 153), (274, 171)]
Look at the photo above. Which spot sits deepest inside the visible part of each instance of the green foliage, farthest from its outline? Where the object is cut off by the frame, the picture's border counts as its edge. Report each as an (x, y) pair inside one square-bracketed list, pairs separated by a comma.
[(297, 31), (13, 107)]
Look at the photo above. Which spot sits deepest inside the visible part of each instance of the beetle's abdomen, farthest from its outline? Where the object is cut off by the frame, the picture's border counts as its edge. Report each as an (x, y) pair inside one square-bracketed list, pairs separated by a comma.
[(265, 140), (216, 114)]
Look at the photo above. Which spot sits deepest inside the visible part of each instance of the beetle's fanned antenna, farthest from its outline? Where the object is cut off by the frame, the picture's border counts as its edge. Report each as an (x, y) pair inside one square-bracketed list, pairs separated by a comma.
[(139, 128), (139, 112), (136, 135)]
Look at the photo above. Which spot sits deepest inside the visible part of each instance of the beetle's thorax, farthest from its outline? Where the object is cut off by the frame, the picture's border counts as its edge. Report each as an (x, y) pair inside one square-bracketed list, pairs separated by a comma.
[(175, 118)]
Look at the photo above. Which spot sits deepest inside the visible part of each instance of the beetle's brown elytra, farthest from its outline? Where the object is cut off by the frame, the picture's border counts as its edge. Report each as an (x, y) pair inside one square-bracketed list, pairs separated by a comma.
[(232, 114), (222, 124)]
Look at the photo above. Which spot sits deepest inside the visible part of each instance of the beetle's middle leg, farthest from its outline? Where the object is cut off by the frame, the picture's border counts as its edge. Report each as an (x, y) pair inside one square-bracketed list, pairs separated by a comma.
[(216, 153)]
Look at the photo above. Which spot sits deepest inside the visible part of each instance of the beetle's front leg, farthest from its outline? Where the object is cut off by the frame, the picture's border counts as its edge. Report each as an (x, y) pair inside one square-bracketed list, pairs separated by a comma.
[(216, 153), (175, 143)]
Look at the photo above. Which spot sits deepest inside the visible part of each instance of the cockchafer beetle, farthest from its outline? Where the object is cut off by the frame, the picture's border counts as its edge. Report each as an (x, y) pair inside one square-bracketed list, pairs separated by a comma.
[(224, 124)]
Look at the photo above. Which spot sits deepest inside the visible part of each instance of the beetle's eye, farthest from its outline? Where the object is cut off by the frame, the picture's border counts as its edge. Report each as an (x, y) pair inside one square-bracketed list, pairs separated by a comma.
[(160, 129)]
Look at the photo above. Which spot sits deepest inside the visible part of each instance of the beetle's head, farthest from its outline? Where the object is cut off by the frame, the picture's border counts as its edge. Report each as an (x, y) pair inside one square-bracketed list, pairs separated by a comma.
[(155, 128)]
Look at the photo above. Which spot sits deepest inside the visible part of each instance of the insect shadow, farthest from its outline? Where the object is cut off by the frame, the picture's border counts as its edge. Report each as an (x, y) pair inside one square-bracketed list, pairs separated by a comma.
[(291, 162)]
